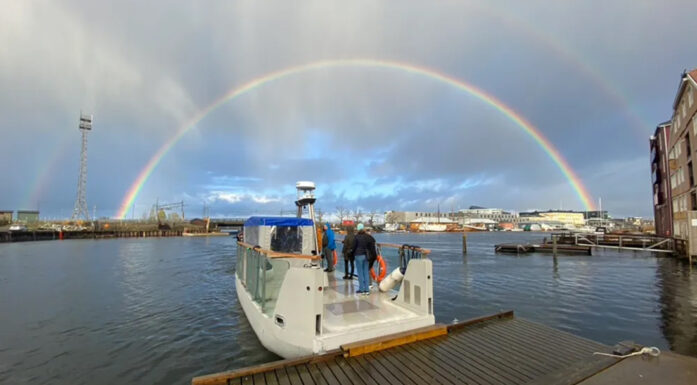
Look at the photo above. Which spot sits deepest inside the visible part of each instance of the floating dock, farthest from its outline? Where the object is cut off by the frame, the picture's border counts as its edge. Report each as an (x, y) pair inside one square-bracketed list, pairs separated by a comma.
[(499, 349), (518, 248)]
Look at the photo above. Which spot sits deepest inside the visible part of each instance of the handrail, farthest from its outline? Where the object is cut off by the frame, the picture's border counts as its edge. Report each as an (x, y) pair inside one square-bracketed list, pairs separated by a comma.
[(276, 254)]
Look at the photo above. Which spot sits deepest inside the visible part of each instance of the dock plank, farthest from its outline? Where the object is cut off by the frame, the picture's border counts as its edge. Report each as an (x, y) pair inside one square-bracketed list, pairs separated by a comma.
[(374, 367), (350, 372), (471, 364), (259, 379), (416, 373), (271, 378), (557, 346), (497, 352), (316, 374), (368, 375), (305, 375), (338, 372), (281, 376), (438, 372), (402, 374), (327, 374), (522, 346)]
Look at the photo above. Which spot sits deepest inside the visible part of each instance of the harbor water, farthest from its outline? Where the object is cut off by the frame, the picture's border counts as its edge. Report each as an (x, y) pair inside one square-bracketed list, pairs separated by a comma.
[(160, 311)]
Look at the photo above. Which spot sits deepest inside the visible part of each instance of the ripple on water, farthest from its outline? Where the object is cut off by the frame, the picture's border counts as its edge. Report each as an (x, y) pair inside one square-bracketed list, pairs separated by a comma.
[(160, 311)]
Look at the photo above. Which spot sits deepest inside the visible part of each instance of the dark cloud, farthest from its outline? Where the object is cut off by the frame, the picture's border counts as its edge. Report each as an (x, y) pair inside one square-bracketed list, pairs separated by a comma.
[(594, 77)]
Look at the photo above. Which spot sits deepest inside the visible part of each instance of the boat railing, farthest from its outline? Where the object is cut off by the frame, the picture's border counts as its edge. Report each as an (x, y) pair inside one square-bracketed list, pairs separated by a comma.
[(398, 255)]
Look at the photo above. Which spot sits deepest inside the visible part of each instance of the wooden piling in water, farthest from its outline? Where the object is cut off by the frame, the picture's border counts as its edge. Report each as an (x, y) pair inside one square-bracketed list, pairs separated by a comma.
[(464, 242)]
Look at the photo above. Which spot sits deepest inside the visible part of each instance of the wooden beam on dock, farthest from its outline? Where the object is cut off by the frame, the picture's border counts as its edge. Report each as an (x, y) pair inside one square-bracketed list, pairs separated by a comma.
[(390, 341)]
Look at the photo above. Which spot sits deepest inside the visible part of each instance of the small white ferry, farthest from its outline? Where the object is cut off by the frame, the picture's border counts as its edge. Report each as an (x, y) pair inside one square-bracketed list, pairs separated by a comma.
[(297, 309)]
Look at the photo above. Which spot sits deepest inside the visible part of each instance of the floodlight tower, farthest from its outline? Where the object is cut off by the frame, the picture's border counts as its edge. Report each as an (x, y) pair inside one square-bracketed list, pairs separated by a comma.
[(80, 211)]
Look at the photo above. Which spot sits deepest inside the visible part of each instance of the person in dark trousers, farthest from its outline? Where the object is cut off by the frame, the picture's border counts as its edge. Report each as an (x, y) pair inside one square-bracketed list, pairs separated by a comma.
[(328, 247), (347, 251), (363, 247)]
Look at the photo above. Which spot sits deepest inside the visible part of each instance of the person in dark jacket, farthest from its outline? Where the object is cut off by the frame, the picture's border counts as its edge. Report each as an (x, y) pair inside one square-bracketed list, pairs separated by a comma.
[(363, 247), (347, 251), (328, 247)]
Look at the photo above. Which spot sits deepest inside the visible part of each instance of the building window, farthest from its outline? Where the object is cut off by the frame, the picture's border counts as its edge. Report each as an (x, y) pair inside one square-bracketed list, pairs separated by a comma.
[(694, 126), (683, 107), (690, 95)]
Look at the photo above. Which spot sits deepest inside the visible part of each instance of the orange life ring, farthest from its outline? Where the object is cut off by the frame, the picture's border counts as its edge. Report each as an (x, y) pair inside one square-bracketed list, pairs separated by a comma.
[(383, 270), (335, 259)]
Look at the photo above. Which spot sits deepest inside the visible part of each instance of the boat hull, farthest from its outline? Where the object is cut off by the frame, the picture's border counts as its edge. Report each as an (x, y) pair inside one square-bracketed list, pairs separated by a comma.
[(269, 334)]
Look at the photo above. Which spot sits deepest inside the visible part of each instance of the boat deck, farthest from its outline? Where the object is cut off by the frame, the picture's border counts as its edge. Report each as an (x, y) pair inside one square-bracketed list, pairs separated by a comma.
[(499, 349), (344, 309), (347, 313)]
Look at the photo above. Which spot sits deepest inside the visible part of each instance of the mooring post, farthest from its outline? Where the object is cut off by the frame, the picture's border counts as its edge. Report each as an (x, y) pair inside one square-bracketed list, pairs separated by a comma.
[(464, 242), (554, 245)]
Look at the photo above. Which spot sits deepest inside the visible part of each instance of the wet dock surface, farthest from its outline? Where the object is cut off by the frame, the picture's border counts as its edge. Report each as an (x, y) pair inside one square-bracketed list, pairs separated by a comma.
[(493, 350)]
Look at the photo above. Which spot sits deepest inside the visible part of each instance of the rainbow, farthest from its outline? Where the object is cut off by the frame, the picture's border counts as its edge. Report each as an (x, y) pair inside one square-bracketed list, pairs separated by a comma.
[(492, 101)]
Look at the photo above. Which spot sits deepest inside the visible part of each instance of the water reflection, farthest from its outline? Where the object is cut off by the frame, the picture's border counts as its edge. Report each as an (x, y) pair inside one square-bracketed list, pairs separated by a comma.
[(678, 305)]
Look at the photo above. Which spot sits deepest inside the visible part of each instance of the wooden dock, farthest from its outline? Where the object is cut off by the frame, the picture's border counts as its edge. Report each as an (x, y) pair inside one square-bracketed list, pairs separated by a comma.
[(517, 248), (48, 235), (498, 349)]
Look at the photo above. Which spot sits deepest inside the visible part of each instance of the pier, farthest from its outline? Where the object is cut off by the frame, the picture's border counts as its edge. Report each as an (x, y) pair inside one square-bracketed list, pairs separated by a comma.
[(47, 235), (497, 349), (517, 248)]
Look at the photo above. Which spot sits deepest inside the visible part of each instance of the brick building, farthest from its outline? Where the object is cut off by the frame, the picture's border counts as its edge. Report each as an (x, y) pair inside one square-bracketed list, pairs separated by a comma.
[(682, 141), (660, 179)]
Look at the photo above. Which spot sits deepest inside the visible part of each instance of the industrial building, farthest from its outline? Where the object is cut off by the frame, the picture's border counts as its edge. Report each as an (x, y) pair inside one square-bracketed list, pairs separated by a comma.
[(474, 214), (574, 218), (27, 216), (477, 213), (5, 217)]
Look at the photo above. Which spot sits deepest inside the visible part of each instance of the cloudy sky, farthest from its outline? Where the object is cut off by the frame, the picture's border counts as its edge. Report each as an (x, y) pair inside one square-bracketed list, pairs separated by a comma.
[(594, 77)]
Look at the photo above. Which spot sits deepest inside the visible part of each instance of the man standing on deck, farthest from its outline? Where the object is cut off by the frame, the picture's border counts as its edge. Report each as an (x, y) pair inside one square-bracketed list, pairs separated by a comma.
[(328, 247), (363, 247)]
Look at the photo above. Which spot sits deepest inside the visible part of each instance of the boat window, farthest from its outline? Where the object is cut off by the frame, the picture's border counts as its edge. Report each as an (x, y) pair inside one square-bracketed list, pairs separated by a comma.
[(287, 239)]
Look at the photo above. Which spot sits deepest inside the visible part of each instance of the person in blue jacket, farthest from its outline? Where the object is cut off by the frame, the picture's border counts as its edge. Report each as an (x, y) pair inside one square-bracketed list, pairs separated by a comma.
[(328, 246)]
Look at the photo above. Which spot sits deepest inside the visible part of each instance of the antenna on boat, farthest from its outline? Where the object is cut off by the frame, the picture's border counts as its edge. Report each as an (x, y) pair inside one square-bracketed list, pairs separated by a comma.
[(306, 198)]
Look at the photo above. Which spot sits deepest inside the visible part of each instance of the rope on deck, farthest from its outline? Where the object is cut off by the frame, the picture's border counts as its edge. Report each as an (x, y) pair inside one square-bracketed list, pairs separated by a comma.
[(652, 351)]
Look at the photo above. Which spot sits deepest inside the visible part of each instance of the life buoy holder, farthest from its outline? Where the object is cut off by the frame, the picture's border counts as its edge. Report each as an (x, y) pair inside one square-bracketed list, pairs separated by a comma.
[(383, 270), (335, 258)]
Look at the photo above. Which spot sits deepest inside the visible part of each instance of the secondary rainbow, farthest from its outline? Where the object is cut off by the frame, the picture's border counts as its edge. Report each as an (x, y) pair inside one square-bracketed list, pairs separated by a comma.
[(492, 101)]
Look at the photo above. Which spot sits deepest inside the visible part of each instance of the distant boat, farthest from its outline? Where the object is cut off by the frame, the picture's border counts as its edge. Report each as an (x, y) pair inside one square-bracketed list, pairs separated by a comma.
[(391, 227), (532, 227), (433, 227), (471, 228)]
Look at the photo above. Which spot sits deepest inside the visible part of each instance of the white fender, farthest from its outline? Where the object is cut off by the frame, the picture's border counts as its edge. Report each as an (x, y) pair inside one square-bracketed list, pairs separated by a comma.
[(391, 280)]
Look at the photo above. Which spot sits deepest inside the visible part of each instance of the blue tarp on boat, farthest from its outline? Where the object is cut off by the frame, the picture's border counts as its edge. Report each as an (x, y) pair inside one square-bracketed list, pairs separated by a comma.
[(278, 221)]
